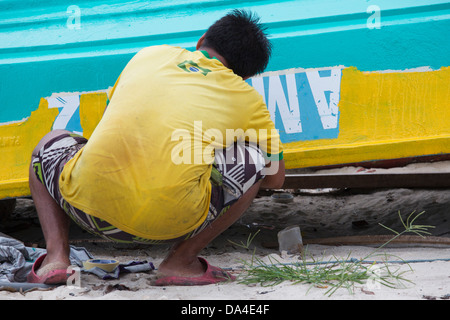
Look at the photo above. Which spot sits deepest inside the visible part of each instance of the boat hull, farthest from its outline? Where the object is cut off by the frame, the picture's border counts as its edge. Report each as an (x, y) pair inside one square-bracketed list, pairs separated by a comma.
[(349, 83)]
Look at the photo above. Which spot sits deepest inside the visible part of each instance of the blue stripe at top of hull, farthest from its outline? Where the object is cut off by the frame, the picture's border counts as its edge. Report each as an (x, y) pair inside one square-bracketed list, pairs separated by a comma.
[(48, 46)]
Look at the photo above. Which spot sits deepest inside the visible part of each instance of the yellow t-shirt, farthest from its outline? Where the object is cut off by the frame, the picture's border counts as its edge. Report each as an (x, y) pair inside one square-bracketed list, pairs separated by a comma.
[(144, 169)]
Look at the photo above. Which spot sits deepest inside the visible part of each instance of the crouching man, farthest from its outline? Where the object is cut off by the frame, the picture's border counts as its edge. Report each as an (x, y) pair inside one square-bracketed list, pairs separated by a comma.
[(138, 180)]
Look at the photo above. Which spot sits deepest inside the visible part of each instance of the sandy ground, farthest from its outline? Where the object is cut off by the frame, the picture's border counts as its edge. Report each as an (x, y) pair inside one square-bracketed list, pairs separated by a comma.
[(319, 213)]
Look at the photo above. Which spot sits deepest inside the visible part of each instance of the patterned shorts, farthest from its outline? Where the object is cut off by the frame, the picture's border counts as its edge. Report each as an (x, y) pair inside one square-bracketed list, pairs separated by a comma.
[(235, 170)]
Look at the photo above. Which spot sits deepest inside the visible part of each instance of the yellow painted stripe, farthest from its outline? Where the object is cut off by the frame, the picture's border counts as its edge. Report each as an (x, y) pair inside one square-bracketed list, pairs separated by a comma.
[(17, 141), (92, 107), (383, 116)]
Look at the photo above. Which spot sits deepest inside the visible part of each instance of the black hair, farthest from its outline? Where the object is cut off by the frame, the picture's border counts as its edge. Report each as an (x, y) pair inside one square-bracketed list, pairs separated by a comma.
[(242, 41)]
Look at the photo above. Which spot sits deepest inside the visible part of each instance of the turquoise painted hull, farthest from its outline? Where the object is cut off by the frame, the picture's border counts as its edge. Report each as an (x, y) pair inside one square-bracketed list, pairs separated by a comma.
[(52, 46)]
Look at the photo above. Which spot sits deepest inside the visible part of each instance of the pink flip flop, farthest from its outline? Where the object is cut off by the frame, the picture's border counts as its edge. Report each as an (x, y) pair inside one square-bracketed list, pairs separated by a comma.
[(53, 277), (212, 275)]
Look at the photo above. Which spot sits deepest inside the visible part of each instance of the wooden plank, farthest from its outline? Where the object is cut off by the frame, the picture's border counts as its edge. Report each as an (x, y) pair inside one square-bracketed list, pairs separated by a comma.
[(372, 180)]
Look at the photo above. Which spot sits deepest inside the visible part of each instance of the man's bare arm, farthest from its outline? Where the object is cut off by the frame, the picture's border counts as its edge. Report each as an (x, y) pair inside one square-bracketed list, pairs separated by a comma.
[(274, 181)]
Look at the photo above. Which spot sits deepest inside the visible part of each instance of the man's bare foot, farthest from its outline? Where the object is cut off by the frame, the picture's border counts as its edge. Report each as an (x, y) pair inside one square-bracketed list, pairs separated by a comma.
[(50, 265), (174, 267)]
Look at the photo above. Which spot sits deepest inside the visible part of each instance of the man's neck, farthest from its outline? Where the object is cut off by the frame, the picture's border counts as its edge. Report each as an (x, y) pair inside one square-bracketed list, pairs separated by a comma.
[(214, 54)]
